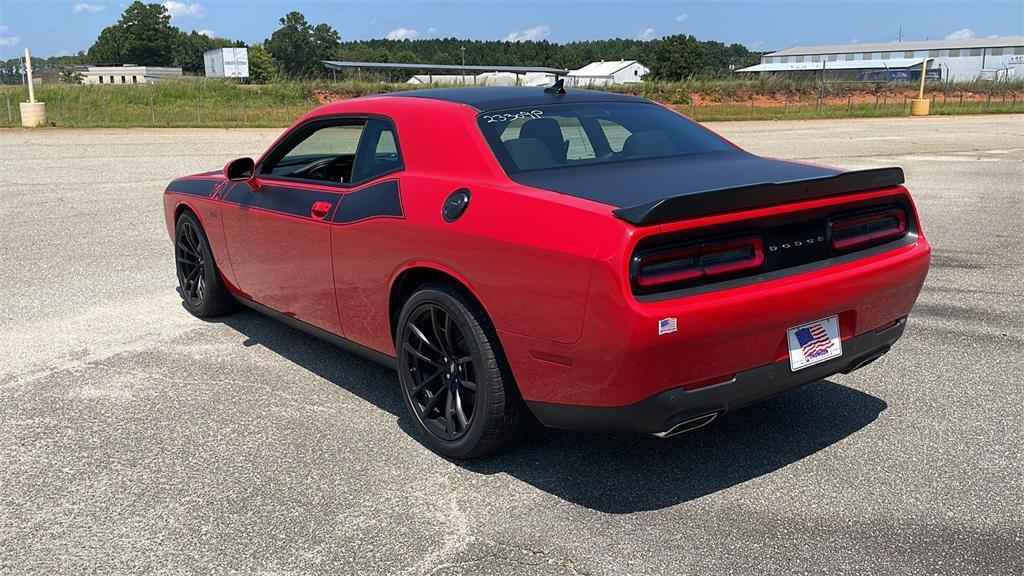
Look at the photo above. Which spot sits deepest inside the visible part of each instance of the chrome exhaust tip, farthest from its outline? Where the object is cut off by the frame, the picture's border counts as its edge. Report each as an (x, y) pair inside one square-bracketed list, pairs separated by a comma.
[(687, 425)]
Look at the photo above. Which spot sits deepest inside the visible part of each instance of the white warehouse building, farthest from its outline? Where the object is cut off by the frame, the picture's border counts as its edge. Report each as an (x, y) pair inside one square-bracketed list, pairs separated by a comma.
[(127, 74), (606, 73), (951, 60)]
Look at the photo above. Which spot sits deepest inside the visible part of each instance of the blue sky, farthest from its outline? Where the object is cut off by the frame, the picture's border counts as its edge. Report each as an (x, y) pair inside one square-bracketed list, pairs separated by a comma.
[(52, 27)]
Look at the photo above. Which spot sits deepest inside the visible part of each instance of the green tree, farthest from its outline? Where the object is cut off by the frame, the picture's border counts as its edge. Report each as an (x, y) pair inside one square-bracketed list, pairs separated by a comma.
[(325, 41), (188, 50), (673, 58), (298, 47), (68, 75), (261, 65), (143, 36)]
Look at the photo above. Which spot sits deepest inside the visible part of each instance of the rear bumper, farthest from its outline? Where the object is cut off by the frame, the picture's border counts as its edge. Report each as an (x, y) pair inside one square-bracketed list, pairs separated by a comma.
[(623, 358), (667, 409)]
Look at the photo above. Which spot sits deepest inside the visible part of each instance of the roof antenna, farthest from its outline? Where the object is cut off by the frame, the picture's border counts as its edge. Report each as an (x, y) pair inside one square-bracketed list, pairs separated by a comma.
[(558, 88)]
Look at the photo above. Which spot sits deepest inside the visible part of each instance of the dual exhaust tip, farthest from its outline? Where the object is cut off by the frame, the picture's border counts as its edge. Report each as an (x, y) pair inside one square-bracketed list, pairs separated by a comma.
[(705, 419), (688, 425)]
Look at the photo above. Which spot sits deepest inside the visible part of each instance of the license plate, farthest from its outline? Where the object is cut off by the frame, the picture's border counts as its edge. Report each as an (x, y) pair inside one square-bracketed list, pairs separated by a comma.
[(814, 342)]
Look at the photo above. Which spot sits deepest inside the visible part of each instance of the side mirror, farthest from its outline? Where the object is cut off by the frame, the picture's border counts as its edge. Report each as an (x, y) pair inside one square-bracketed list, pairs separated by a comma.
[(240, 170)]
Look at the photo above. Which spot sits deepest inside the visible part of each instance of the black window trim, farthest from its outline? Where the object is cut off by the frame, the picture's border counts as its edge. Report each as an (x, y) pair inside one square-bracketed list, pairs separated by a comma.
[(306, 129)]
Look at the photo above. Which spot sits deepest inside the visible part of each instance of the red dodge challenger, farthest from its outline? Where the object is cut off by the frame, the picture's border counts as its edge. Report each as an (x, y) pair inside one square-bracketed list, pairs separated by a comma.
[(590, 260)]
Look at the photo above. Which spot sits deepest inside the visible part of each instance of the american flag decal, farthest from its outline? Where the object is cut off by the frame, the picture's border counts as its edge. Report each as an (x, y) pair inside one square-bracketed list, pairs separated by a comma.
[(814, 340), (667, 326)]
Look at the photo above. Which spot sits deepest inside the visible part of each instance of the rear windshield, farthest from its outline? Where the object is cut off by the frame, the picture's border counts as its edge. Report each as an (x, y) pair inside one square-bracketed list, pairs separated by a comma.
[(565, 135)]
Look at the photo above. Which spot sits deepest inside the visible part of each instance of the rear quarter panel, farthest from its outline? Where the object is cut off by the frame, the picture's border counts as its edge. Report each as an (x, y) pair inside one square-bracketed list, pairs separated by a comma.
[(524, 253)]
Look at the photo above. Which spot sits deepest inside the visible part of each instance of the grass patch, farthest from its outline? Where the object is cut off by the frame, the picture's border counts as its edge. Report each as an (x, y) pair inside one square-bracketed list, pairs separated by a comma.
[(223, 103)]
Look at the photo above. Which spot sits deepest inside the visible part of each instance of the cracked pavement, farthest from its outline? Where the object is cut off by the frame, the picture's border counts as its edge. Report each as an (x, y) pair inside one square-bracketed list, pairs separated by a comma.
[(137, 439)]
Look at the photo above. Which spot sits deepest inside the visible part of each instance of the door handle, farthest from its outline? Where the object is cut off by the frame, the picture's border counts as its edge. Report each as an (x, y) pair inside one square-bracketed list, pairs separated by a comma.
[(320, 209)]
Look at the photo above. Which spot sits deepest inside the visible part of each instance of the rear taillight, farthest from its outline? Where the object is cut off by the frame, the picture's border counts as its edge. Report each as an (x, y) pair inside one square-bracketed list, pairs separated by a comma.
[(864, 230), (695, 264)]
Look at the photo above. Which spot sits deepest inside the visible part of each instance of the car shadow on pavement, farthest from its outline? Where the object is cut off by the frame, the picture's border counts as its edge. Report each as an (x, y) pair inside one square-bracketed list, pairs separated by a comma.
[(623, 474), (613, 473)]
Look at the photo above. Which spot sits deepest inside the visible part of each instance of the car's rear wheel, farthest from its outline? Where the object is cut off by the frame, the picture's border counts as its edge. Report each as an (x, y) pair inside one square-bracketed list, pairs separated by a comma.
[(202, 291), (455, 381)]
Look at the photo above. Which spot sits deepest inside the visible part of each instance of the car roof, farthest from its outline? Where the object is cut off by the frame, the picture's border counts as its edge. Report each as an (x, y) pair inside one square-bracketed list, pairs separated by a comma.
[(486, 98)]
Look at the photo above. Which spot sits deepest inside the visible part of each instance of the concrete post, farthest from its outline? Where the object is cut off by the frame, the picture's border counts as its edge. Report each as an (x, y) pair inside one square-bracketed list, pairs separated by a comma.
[(33, 114), (28, 71), (920, 106)]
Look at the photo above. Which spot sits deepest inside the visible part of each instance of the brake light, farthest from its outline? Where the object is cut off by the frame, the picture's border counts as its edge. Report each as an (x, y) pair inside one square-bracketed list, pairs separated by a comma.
[(694, 264), (861, 231)]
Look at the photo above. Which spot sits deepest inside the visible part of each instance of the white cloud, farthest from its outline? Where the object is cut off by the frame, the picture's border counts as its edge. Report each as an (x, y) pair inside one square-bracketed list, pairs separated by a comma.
[(534, 34), (185, 9), (8, 40), (961, 34), (64, 53), (402, 34), (205, 32), (431, 30), (682, 18), (645, 34), (84, 8)]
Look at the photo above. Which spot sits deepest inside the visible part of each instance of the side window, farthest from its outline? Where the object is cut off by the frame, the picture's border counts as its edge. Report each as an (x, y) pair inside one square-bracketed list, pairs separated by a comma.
[(328, 154), (378, 151), (616, 134)]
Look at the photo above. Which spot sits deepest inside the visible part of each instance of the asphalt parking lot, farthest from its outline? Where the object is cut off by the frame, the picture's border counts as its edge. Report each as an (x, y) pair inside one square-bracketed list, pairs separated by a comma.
[(137, 439)]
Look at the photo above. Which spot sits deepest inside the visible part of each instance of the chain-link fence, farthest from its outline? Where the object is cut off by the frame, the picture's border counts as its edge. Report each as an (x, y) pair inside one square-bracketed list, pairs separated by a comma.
[(852, 105), (71, 112)]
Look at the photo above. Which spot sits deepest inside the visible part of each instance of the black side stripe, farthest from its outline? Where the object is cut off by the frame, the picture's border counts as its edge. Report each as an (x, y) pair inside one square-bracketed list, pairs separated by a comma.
[(203, 187), (281, 199), (240, 193), (379, 200)]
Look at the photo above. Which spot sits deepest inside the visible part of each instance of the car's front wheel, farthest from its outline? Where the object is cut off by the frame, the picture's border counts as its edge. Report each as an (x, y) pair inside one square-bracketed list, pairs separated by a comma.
[(202, 291), (455, 381)]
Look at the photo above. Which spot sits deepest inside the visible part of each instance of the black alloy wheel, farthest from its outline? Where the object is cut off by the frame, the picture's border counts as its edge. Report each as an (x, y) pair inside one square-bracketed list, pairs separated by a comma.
[(191, 256), (202, 292), (455, 380), (442, 377)]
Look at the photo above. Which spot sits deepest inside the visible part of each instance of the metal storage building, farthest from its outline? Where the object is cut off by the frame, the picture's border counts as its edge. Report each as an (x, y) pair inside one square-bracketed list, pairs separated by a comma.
[(955, 60), (485, 79), (606, 73)]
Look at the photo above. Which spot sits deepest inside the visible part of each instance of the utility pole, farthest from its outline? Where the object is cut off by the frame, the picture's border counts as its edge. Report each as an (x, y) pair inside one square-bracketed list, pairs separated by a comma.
[(901, 35)]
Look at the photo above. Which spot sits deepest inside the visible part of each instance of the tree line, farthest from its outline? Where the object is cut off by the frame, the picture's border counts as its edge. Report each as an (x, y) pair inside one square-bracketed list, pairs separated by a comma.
[(144, 36)]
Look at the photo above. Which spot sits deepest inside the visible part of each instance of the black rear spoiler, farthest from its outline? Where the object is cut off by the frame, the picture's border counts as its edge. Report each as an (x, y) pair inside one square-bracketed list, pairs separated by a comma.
[(705, 202)]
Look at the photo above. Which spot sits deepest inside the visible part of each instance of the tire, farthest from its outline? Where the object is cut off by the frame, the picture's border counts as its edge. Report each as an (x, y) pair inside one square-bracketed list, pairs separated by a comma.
[(449, 359), (202, 292)]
